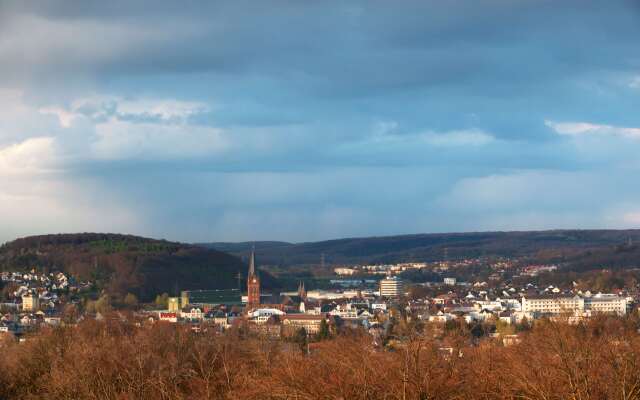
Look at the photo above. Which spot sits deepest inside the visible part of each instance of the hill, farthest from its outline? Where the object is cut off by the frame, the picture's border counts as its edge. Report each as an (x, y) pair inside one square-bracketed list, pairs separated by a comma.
[(554, 244), (123, 264)]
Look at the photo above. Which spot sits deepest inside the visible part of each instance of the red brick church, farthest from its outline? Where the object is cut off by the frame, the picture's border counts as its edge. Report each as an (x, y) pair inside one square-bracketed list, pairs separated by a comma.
[(253, 283)]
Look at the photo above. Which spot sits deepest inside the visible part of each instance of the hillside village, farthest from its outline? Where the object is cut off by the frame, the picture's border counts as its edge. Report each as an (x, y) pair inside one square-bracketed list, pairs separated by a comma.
[(498, 308)]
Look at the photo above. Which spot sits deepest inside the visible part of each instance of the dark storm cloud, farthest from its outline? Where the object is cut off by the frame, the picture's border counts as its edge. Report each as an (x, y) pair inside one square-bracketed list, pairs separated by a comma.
[(360, 48)]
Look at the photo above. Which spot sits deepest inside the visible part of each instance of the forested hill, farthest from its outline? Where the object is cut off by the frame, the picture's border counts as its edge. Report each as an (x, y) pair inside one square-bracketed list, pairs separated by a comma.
[(430, 247), (124, 264)]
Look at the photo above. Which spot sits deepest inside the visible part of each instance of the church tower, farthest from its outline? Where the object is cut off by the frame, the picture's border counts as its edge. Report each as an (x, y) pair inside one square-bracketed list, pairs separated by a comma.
[(253, 282), (301, 291)]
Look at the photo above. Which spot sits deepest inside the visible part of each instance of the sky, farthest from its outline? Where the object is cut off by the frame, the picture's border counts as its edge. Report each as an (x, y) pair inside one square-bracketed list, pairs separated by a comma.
[(309, 120)]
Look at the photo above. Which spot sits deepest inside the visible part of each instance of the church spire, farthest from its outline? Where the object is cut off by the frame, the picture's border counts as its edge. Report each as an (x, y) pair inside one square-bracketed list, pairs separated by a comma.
[(253, 282), (301, 290), (252, 261)]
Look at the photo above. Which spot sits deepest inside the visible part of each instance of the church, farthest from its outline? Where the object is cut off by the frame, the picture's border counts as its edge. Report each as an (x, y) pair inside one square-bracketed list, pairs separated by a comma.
[(253, 283), (254, 293)]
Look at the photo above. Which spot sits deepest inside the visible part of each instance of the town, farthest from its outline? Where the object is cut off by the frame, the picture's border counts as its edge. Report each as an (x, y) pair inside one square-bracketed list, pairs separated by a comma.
[(34, 300)]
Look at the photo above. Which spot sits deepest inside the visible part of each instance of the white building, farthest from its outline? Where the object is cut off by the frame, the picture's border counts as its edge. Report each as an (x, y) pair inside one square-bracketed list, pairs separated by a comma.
[(194, 314), (450, 281), (344, 271), (576, 305), (606, 303), (262, 315), (347, 311), (441, 317), (391, 287), (552, 304)]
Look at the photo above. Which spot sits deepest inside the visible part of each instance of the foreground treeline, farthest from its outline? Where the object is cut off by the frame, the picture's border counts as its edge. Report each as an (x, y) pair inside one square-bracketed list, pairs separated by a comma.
[(114, 360)]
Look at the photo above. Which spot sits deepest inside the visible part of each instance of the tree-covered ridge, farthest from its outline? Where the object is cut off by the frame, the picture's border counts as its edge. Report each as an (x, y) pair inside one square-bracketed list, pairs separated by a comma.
[(112, 242), (553, 244), (122, 264)]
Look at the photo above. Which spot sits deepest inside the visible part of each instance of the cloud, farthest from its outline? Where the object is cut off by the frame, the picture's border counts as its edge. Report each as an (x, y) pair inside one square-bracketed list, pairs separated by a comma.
[(458, 138), (116, 128), (388, 132), (298, 120), (146, 110), (123, 140), (37, 205), (43, 186), (585, 128), (33, 45), (37, 196), (542, 200), (64, 117), (35, 155)]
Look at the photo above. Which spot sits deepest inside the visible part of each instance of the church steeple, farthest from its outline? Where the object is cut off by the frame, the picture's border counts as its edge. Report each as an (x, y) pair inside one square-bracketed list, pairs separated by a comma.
[(253, 282), (301, 291), (252, 262)]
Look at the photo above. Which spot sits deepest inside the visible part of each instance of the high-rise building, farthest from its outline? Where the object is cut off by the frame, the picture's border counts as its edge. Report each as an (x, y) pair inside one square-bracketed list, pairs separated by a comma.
[(253, 283), (391, 287), (30, 302)]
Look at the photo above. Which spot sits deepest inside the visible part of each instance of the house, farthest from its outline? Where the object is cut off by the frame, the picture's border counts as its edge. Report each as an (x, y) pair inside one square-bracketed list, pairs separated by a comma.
[(52, 321), (445, 299), (169, 317), (507, 317), (345, 311), (193, 314), (220, 319), (441, 317)]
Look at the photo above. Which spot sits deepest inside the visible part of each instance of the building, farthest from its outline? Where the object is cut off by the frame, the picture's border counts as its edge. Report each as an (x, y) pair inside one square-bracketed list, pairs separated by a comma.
[(30, 302), (576, 305), (344, 271), (302, 292), (209, 298), (291, 323), (606, 303), (450, 281), (262, 315), (173, 304), (552, 304), (391, 287), (253, 283), (184, 298), (193, 314), (169, 317)]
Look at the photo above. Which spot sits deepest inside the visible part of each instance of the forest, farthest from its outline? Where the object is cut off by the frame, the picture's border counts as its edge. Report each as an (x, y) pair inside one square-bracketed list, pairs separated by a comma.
[(584, 247), (121, 264), (111, 359)]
